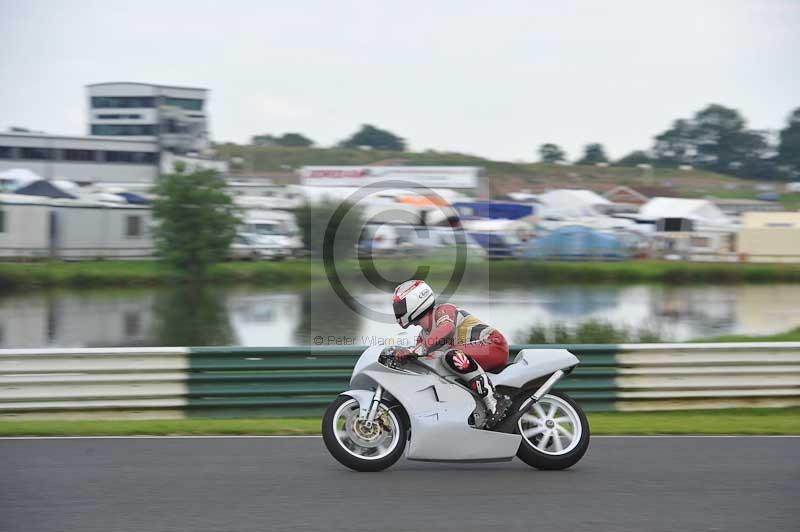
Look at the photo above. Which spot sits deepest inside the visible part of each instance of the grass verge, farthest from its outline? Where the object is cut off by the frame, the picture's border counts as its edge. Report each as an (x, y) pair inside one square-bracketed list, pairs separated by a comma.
[(733, 421), (792, 335), (143, 273)]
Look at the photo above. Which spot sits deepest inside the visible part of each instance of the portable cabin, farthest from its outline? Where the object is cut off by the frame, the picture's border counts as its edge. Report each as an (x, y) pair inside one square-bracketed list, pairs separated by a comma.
[(769, 237), (39, 227)]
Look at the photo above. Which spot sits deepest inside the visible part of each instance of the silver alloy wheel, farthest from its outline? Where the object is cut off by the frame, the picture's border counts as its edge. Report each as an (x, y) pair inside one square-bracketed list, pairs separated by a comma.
[(552, 426), (368, 442)]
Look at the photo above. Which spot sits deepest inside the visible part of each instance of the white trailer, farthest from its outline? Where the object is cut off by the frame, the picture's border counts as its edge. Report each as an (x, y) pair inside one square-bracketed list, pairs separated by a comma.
[(273, 223), (36, 227)]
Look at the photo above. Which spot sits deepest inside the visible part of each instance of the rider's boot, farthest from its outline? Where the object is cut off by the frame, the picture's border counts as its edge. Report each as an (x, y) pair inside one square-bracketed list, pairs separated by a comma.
[(496, 404)]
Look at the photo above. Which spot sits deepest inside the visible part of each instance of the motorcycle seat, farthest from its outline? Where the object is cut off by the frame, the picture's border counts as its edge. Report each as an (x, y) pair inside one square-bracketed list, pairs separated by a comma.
[(497, 369)]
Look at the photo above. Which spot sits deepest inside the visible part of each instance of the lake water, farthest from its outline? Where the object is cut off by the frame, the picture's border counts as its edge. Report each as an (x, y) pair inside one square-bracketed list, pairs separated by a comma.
[(251, 316)]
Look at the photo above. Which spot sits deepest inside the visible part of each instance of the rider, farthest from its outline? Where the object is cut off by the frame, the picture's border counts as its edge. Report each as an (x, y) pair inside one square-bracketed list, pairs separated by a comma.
[(469, 345)]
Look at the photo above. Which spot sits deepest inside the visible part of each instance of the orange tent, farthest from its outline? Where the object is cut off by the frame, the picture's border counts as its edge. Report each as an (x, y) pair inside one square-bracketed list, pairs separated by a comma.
[(422, 201)]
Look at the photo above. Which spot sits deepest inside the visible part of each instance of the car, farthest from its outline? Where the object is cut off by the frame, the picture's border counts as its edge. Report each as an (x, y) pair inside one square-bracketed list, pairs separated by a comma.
[(498, 245), (248, 246)]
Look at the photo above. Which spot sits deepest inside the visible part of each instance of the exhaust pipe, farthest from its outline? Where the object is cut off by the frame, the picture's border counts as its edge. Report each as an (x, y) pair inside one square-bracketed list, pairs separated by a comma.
[(544, 388), (510, 423)]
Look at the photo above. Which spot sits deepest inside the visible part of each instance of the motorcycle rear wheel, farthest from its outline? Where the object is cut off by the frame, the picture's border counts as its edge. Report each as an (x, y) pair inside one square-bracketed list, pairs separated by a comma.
[(360, 446), (555, 433)]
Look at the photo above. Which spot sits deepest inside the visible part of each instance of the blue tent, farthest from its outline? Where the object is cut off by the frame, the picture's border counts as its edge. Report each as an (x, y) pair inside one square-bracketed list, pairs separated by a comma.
[(133, 199), (493, 210), (575, 242)]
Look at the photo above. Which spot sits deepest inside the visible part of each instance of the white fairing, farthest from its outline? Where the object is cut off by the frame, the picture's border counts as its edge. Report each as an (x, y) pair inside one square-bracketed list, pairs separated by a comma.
[(439, 410), (531, 364)]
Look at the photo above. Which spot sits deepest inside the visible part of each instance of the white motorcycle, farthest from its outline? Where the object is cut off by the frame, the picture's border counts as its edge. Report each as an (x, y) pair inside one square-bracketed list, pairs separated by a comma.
[(418, 403)]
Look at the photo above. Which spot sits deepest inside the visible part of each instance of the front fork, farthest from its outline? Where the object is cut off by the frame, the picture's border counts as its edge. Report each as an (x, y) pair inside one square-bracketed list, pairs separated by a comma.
[(373, 407)]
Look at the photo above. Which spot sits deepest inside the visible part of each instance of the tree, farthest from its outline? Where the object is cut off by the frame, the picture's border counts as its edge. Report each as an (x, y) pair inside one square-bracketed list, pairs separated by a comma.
[(375, 138), (289, 140), (593, 153), (551, 153), (634, 158), (676, 146), (723, 143), (195, 220), (789, 146), (264, 140), (717, 139), (295, 140)]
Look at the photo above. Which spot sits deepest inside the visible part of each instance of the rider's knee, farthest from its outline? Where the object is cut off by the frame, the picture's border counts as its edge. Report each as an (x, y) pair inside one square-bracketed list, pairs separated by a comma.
[(460, 362)]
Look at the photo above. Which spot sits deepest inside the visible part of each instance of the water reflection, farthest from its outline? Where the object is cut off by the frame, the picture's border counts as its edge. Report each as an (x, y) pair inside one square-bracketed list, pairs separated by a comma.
[(191, 315), (567, 301), (187, 315), (88, 318), (325, 315)]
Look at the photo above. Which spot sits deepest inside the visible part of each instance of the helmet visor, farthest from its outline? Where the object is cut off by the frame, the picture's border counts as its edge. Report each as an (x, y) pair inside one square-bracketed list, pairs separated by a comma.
[(400, 308)]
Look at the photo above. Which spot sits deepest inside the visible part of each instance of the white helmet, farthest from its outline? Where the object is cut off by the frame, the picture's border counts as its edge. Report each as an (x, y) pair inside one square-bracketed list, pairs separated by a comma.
[(411, 300)]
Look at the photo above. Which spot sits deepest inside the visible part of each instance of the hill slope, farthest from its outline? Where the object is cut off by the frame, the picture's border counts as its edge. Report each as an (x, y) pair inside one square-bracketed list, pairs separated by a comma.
[(504, 176)]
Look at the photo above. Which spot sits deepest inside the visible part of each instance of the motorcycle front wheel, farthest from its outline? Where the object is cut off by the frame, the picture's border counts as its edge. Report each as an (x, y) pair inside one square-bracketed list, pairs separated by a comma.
[(555, 432), (359, 445)]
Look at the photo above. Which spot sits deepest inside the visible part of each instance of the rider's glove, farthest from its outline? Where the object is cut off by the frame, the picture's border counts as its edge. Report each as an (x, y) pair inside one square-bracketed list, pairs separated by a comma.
[(402, 354)]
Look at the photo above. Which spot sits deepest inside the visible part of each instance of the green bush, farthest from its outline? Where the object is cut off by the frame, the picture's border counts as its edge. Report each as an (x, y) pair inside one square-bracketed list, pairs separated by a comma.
[(589, 332)]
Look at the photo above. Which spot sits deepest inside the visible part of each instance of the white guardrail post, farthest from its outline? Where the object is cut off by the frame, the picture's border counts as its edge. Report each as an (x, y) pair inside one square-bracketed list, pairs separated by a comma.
[(170, 382)]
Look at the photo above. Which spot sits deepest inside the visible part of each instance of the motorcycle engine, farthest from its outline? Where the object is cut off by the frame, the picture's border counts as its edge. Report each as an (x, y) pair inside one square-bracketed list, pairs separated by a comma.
[(478, 417)]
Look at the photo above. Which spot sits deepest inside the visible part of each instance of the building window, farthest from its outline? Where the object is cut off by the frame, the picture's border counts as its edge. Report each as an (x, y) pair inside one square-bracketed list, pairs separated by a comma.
[(36, 153), (5, 152), (79, 155), (119, 102), (171, 125), (124, 129), (190, 104), (2, 221), (133, 226), (700, 242), (118, 116), (675, 225), (133, 324), (133, 157)]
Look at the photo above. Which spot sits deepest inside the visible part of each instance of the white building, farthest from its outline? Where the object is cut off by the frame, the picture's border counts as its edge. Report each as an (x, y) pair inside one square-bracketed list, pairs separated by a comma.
[(406, 177), (690, 229), (38, 227), (138, 131), (82, 159), (174, 115)]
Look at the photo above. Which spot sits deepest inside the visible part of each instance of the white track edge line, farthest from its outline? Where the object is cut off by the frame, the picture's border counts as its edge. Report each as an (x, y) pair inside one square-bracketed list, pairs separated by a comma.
[(275, 436)]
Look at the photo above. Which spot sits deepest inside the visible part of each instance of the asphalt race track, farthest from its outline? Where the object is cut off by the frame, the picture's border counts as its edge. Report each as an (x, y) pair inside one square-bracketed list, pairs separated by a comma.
[(257, 484)]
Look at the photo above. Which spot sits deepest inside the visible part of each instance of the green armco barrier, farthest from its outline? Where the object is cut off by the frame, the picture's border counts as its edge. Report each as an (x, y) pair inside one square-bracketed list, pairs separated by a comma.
[(175, 382), (268, 381)]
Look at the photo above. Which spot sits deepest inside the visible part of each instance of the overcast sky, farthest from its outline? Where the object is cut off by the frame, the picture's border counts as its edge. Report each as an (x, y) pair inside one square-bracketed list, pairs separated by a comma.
[(495, 79)]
